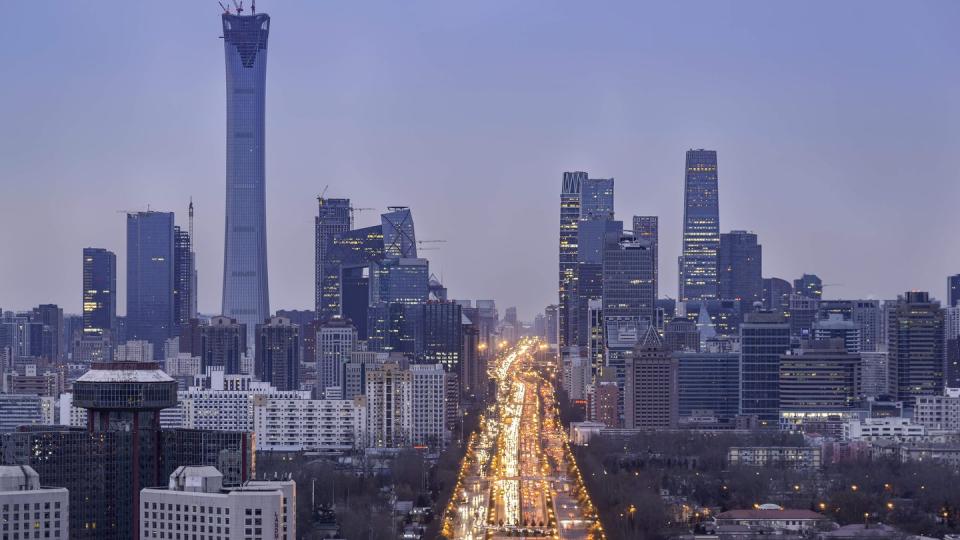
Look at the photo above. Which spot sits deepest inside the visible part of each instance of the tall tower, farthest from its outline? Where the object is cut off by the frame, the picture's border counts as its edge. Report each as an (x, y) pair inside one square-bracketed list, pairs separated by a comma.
[(333, 218), (648, 228), (150, 278), (99, 292), (701, 227), (740, 262), (569, 221), (245, 293)]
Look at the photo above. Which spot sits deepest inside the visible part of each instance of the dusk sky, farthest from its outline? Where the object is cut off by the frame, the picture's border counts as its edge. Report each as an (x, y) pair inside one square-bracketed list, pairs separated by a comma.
[(837, 126)]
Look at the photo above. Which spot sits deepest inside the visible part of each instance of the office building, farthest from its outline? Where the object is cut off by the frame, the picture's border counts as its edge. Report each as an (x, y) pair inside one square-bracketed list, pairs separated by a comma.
[(399, 236), (442, 330), (246, 296), (197, 504), (708, 382), (596, 199), (939, 412), (740, 260), (628, 279), (336, 342), (701, 227), (776, 294), (99, 291), (836, 327), (52, 343), (875, 374), (31, 379), (681, 335), (150, 275), (220, 343), (25, 410), (334, 216), (134, 351), (298, 424), (569, 222), (802, 313), (953, 289), (809, 286), (431, 400), (764, 338), (648, 228), (820, 376), (278, 353), (916, 347), (184, 277), (23, 501), (346, 281), (400, 281), (651, 394)]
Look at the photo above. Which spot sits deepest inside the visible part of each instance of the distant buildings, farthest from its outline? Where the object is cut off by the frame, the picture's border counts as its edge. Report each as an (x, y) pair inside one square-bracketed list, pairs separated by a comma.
[(708, 381), (99, 291), (569, 219), (916, 346), (278, 353), (701, 227), (650, 389), (648, 228), (220, 343), (809, 285), (821, 376), (334, 216), (764, 337), (953, 290), (336, 341), (740, 262)]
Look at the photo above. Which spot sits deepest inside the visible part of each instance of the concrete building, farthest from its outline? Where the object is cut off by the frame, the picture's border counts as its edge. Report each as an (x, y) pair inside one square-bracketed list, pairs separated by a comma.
[(134, 351), (220, 343), (890, 428), (790, 457), (820, 376), (939, 412), (836, 327), (289, 424), (26, 410), (23, 501), (336, 341), (278, 353), (875, 373), (196, 504), (650, 391)]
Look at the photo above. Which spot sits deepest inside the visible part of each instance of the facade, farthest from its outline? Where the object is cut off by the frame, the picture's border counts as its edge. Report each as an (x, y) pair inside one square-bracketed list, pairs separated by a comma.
[(739, 268), (336, 341), (220, 343), (550, 313), (296, 424), (23, 501), (278, 353), (150, 275), (764, 337), (650, 390), (246, 296), (916, 347), (569, 222), (399, 236), (889, 428), (400, 281), (701, 227), (708, 382), (334, 216), (875, 373), (836, 327), (431, 399), (596, 199), (389, 406), (184, 278), (99, 291), (196, 504)]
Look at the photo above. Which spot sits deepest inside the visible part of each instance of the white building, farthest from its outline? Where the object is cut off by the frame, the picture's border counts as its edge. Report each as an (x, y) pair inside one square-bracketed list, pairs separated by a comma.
[(196, 501), (70, 415), (429, 396), (34, 511), (874, 373), (576, 376), (310, 424), (877, 429), (182, 365), (26, 410), (939, 412), (134, 351), (405, 407)]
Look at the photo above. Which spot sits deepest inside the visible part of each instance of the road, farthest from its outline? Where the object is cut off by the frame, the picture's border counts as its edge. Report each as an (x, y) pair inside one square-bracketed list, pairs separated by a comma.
[(518, 478)]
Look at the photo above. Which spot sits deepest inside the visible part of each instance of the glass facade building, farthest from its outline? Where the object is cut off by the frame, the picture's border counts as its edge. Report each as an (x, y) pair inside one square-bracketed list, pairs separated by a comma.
[(399, 237), (701, 227), (569, 223), (150, 278), (740, 262), (184, 278), (245, 292), (628, 279), (278, 353), (333, 218), (764, 337), (99, 291), (709, 382)]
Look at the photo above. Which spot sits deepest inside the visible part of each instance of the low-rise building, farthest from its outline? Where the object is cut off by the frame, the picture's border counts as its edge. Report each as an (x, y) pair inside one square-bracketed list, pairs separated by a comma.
[(790, 457), (773, 518), (196, 501), (888, 428)]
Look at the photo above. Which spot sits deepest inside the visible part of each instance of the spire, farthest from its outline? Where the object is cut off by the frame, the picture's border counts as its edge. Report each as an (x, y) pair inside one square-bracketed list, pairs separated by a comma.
[(651, 339)]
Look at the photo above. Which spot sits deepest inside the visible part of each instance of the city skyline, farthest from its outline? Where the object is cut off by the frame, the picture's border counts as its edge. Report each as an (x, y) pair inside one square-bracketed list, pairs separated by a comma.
[(843, 155)]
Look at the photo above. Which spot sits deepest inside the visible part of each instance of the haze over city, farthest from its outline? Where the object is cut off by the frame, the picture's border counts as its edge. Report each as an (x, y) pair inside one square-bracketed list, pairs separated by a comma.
[(834, 126)]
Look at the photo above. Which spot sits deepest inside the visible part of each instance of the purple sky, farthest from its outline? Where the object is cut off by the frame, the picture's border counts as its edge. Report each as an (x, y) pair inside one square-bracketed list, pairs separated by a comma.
[(836, 126)]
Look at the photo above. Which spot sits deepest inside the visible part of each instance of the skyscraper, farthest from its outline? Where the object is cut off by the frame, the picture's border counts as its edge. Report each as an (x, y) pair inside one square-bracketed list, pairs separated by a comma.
[(220, 343), (569, 221), (916, 339), (953, 289), (278, 353), (399, 237), (701, 227), (184, 272), (245, 291), (336, 341), (596, 199), (628, 279), (809, 285), (651, 396), (739, 267), (764, 337), (333, 218), (776, 294), (648, 228), (99, 291), (150, 275)]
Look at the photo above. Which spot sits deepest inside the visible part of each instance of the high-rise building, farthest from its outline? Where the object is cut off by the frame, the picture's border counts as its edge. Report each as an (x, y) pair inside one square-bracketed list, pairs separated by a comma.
[(405, 406), (336, 342), (701, 227), (221, 343), (99, 291), (593, 237), (150, 278), (740, 268), (681, 335), (916, 341), (808, 285), (628, 279), (399, 236), (821, 376), (835, 326), (399, 281), (764, 337), (569, 221), (953, 289), (256, 510), (874, 373), (333, 218), (708, 382), (776, 294), (52, 343), (346, 280), (596, 199), (651, 395), (278, 353), (648, 228), (134, 351), (246, 295), (550, 312), (184, 278), (442, 335)]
